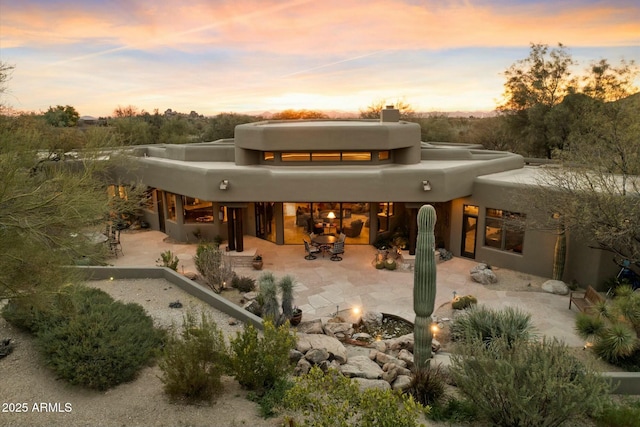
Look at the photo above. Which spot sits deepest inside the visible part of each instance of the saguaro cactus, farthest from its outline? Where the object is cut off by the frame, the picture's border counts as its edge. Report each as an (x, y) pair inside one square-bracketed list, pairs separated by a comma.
[(424, 285), (560, 251)]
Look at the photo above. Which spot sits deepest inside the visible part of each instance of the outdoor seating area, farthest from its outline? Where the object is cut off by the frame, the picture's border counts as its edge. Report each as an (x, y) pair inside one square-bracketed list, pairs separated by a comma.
[(325, 244)]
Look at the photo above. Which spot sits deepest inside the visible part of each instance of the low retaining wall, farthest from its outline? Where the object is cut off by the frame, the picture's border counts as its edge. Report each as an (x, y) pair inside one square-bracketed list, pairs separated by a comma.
[(189, 286), (623, 382)]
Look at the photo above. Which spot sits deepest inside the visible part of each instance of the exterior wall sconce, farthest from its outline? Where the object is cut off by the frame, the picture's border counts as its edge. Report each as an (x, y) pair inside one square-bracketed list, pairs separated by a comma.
[(224, 184), (426, 185)]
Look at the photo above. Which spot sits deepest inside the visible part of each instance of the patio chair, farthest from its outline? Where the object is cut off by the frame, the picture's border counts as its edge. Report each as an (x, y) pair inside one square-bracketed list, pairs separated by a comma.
[(310, 250), (336, 251)]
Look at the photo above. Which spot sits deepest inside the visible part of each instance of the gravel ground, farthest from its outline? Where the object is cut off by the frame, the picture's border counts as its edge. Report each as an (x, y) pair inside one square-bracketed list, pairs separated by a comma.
[(31, 395)]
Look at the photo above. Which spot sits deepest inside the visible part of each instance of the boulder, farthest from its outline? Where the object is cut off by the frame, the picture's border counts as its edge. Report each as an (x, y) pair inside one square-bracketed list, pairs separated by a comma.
[(364, 384), (303, 367), (361, 336), (407, 357), (379, 346), (295, 355), (435, 345), (316, 355), (361, 367), (338, 330), (335, 348), (481, 273), (372, 319), (311, 327), (250, 296), (441, 359), (404, 342), (384, 358), (190, 275), (557, 287), (401, 383), (390, 375)]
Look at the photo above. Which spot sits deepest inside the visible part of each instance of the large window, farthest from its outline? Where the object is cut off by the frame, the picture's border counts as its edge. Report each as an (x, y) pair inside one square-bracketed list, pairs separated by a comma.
[(196, 210), (504, 230)]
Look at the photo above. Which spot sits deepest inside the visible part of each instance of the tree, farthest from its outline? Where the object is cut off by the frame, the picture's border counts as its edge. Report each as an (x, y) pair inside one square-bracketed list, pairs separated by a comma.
[(597, 188), (373, 110), (60, 116), (5, 75), (223, 125), (299, 115), (534, 86)]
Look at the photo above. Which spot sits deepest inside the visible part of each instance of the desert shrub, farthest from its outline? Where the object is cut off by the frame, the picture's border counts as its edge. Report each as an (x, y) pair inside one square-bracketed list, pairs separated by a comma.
[(427, 385), (211, 265), (524, 383), (464, 302), (270, 401), (453, 410), (98, 342), (194, 360), (485, 324), (613, 328), (243, 283), (259, 362), (622, 414), (335, 400), (168, 259)]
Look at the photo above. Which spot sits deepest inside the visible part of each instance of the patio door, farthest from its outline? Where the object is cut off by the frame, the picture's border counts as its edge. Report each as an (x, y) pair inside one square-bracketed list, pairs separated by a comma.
[(469, 231)]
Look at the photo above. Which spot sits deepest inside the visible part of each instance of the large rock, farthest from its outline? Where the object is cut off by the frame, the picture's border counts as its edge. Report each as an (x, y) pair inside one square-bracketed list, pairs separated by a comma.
[(303, 367), (404, 342), (335, 348), (481, 273), (364, 384), (338, 330), (557, 287), (253, 307), (384, 358), (407, 357), (401, 383), (316, 355), (311, 327), (371, 319), (361, 367)]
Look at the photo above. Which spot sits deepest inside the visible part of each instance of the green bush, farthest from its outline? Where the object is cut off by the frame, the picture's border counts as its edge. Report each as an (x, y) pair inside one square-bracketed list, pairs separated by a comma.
[(623, 414), (453, 410), (334, 400), (524, 383), (270, 401), (390, 264), (168, 259), (94, 341), (464, 302), (193, 361), (243, 283), (427, 385), (485, 324), (259, 362)]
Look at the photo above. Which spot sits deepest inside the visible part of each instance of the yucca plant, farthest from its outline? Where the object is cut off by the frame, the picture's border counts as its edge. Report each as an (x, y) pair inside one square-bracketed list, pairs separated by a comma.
[(287, 284), (616, 342), (589, 327), (269, 293)]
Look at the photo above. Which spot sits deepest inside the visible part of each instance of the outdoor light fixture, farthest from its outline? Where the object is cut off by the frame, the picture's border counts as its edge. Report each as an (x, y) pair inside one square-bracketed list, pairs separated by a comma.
[(224, 184), (426, 185)]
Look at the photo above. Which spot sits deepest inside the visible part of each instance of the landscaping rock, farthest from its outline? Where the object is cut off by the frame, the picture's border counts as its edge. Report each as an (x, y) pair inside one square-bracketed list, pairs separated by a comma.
[(232, 321), (557, 287), (390, 375), (361, 367), (481, 273), (384, 358), (441, 359), (435, 345), (295, 355), (311, 327), (404, 342), (303, 367), (335, 348), (361, 336), (190, 275), (371, 319), (379, 346), (338, 330), (402, 382), (316, 355), (364, 384), (250, 296), (407, 357)]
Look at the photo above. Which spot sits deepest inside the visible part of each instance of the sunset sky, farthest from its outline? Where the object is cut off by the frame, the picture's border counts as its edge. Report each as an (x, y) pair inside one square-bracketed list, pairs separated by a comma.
[(216, 56)]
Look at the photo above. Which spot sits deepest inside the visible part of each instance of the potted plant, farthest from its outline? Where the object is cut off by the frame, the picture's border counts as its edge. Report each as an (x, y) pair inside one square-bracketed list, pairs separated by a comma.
[(296, 317), (257, 262)]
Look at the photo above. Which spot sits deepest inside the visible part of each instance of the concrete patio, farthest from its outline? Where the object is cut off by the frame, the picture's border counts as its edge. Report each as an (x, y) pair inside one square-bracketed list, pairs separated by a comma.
[(325, 286)]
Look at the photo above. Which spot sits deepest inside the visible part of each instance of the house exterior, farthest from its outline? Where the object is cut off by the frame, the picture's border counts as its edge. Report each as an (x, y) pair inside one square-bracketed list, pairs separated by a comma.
[(279, 180)]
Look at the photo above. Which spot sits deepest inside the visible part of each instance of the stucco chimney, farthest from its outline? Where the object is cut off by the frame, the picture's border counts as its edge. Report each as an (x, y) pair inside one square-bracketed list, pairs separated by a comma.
[(390, 114)]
